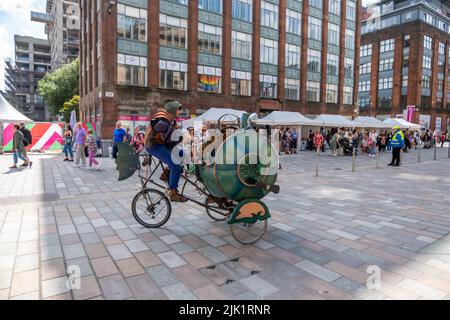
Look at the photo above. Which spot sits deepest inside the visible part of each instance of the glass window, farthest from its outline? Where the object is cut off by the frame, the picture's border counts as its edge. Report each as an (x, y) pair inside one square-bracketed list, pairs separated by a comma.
[(241, 83), (387, 45), (316, 3), (441, 48), (292, 89), (348, 68), (427, 62), (131, 75), (211, 5), (334, 6), (242, 10), (314, 28), (130, 25), (386, 64), (365, 50), (209, 39), (364, 86), (173, 75), (405, 81), (293, 21), (365, 68), (426, 82), (268, 86), (269, 51), (269, 15), (313, 60), (350, 39), (292, 56), (333, 34), (209, 83), (385, 83), (331, 94), (332, 64), (241, 45), (428, 42), (351, 10), (172, 31), (348, 95), (313, 91)]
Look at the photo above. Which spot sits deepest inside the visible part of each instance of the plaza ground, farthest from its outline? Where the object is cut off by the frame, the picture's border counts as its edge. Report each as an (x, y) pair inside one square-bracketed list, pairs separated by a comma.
[(324, 235)]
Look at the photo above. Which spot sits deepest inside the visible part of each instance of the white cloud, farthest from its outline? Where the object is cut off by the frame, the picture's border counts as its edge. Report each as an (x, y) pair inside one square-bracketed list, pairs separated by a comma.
[(15, 19)]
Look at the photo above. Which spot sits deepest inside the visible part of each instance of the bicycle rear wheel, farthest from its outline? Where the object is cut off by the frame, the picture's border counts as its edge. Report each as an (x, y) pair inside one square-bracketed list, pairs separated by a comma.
[(151, 208)]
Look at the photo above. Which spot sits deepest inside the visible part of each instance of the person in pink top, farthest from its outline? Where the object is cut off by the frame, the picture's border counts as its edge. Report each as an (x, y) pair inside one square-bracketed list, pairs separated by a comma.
[(318, 141)]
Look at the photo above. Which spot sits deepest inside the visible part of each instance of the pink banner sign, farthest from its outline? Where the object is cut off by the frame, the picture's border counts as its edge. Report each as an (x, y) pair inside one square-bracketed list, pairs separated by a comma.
[(134, 118), (410, 113)]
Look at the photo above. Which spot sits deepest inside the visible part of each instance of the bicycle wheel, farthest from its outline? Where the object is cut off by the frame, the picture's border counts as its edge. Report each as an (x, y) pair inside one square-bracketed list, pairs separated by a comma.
[(151, 208), (248, 233)]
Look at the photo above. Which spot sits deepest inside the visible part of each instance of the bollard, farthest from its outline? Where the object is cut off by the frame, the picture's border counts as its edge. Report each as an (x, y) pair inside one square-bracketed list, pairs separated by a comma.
[(354, 160), (435, 144), (378, 159), (317, 164)]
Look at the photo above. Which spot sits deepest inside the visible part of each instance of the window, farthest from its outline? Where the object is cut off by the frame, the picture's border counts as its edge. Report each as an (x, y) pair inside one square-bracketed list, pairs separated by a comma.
[(209, 79), (332, 64), (292, 89), (292, 56), (386, 64), (268, 86), (428, 42), (313, 91), (364, 102), (242, 10), (316, 3), (211, 5), (385, 102), (131, 70), (365, 68), (269, 51), (241, 83), (364, 86), (440, 85), (172, 75), (426, 82), (269, 15), (365, 50), (334, 6), (348, 68), (387, 45), (331, 93), (333, 34), (405, 61), (425, 101), (313, 60), (441, 48), (293, 21), (241, 45), (209, 39), (385, 83), (348, 95), (350, 39), (172, 31), (426, 62), (351, 10), (405, 81), (314, 28), (406, 39), (131, 23)]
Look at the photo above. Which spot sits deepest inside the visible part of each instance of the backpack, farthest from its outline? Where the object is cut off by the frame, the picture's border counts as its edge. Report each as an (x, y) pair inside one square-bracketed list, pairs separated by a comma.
[(27, 138)]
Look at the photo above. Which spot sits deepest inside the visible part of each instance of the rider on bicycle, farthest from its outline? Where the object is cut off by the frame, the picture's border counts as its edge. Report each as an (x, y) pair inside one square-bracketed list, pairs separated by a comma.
[(159, 145)]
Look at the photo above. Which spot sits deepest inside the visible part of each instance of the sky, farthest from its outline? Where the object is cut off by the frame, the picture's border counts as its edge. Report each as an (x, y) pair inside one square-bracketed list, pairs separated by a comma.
[(15, 19)]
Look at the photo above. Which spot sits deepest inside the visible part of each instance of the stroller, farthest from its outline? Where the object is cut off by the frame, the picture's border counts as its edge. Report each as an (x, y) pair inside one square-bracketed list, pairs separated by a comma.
[(346, 146)]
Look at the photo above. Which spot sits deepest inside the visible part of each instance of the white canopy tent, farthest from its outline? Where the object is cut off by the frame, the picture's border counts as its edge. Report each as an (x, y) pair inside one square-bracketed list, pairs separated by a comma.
[(287, 118), (371, 122), (331, 120), (212, 115), (9, 114), (403, 124)]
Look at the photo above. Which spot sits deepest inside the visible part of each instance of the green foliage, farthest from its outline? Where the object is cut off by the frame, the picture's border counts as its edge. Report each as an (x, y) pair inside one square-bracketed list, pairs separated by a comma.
[(60, 86), (69, 106)]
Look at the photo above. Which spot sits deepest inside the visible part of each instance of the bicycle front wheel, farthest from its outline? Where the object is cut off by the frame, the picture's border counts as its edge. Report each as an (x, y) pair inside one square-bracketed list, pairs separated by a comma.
[(151, 208)]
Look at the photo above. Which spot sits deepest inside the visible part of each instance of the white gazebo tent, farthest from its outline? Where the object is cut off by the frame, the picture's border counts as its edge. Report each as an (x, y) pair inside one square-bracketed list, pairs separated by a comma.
[(9, 114), (371, 122), (212, 115), (402, 123), (337, 121)]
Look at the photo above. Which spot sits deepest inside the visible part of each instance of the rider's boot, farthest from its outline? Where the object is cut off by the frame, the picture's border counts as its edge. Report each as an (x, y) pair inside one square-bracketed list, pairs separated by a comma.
[(175, 196), (165, 175)]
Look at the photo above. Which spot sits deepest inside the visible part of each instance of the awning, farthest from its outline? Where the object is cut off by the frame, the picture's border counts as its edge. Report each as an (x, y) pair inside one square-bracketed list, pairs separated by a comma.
[(337, 121), (371, 122), (212, 116), (287, 118), (10, 114), (402, 123)]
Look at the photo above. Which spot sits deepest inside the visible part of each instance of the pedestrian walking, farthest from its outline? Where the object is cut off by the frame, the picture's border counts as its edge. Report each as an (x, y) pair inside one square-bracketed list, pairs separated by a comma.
[(398, 142), (18, 149), (92, 149), (318, 141), (334, 144), (27, 138), (120, 136), (80, 140), (372, 143), (68, 143)]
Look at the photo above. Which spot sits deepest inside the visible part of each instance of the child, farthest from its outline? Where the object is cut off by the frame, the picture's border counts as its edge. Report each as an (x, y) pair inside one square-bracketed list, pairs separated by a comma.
[(92, 147)]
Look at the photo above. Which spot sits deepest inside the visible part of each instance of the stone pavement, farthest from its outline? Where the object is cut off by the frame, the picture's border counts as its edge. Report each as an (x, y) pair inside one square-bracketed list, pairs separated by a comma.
[(328, 237)]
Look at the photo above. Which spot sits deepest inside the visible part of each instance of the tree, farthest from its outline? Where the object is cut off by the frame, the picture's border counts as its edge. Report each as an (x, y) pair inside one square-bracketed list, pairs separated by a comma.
[(60, 86), (69, 106)]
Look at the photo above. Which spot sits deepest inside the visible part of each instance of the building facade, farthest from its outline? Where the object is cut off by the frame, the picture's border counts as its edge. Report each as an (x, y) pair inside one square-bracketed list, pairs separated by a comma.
[(62, 20), (404, 61), (32, 62), (253, 55)]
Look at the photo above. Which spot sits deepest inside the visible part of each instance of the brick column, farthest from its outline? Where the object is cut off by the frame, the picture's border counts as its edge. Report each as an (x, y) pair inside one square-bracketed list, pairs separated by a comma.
[(342, 56), (153, 44), (281, 51), (304, 54), (415, 72), (397, 79), (193, 46), (357, 55), (256, 48), (323, 67), (434, 71), (226, 54), (374, 77)]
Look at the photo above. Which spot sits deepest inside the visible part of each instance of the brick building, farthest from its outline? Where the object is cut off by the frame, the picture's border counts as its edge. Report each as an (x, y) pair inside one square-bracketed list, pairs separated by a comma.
[(254, 55), (404, 61)]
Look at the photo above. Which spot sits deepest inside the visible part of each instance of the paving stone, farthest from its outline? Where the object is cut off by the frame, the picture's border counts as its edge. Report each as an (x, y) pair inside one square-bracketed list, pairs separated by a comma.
[(162, 275), (90, 238), (115, 288), (178, 291), (96, 250), (136, 245), (74, 251), (81, 263), (89, 288), (170, 239), (7, 261), (171, 259), (104, 267), (130, 267), (119, 252), (317, 270), (212, 254), (259, 286), (158, 246), (5, 279), (52, 269), (147, 259), (421, 289), (54, 287), (26, 262), (144, 288), (51, 252)]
